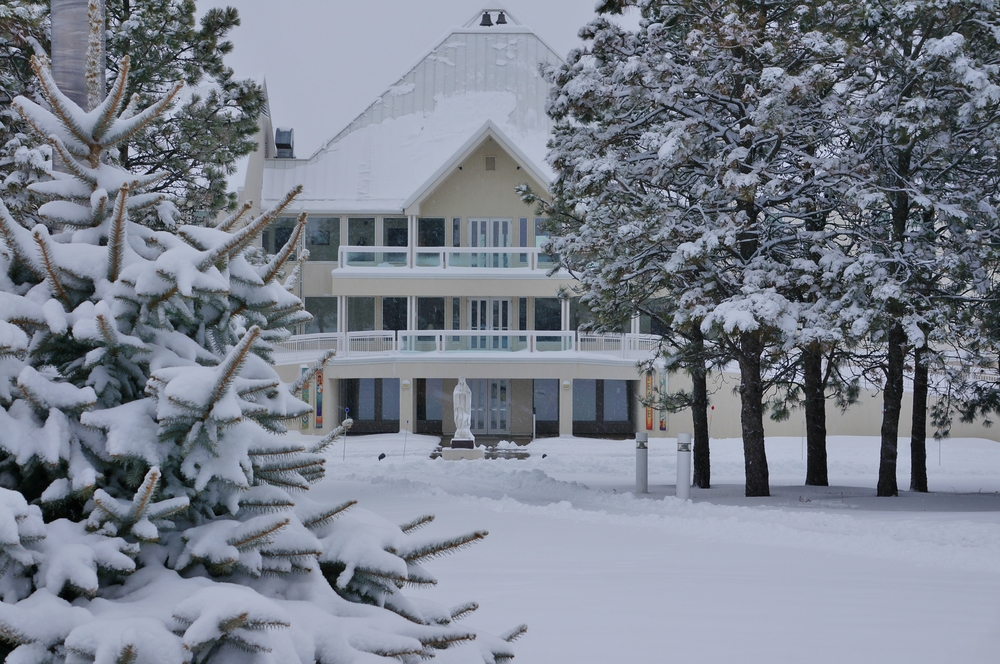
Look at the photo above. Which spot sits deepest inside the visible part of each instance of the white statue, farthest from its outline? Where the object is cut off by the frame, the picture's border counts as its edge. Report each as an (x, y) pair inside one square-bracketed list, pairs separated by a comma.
[(462, 399)]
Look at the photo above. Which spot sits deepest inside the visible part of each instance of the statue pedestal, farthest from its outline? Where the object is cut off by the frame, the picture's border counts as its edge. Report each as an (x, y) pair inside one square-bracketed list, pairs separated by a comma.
[(463, 443), (453, 454)]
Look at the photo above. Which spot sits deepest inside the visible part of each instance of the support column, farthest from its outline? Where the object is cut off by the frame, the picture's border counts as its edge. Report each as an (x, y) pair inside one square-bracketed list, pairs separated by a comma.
[(565, 406), (407, 399)]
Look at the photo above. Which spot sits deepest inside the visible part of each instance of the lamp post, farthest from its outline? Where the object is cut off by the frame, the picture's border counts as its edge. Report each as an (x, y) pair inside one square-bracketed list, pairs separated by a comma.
[(684, 466), (641, 462)]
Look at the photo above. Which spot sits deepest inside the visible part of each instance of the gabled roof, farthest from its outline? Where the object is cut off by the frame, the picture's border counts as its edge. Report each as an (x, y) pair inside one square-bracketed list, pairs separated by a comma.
[(475, 80)]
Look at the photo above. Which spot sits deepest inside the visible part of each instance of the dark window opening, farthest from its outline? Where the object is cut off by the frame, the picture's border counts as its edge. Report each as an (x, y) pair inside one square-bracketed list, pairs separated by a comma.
[(603, 407), (323, 238), (324, 313), (373, 404), (430, 405), (430, 233), (545, 405), (394, 313), (360, 314)]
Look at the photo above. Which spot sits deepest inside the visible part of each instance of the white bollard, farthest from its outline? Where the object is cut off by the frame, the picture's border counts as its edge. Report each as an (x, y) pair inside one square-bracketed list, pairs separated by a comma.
[(641, 463), (684, 466)]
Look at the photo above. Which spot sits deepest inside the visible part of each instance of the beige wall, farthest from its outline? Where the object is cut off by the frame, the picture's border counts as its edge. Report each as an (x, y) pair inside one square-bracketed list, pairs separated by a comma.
[(861, 419), (472, 191)]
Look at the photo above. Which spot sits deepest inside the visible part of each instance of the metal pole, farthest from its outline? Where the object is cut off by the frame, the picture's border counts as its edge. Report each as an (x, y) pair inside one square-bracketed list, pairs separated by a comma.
[(641, 463), (684, 466), (406, 431)]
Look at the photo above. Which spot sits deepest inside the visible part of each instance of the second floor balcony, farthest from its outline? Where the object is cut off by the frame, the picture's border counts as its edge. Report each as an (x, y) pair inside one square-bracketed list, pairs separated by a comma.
[(426, 343), (443, 258)]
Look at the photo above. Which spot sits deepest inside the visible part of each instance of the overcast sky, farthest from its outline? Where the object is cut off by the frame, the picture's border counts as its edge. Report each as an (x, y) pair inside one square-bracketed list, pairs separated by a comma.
[(326, 60)]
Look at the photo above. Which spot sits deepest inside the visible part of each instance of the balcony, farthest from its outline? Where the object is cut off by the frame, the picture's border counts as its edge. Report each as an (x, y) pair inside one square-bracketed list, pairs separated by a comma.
[(428, 343), (444, 258)]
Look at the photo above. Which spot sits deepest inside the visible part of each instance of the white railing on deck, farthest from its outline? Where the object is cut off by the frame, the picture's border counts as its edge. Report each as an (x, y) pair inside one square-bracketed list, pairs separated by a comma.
[(443, 258), (464, 341)]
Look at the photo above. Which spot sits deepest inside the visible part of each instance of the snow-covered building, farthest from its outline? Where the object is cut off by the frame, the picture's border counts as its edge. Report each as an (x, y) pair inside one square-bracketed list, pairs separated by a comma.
[(424, 264)]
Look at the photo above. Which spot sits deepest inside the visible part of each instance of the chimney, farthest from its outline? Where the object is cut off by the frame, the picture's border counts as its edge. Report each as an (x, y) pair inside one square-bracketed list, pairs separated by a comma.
[(284, 143)]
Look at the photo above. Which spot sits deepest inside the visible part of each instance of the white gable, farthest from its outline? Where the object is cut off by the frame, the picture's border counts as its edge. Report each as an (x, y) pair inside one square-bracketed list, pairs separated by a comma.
[(474, 76)]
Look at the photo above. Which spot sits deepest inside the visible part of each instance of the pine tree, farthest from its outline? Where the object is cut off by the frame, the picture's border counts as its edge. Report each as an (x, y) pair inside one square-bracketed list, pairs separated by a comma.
[(197, 143), (152, 510), (694, 151), (924, 117)]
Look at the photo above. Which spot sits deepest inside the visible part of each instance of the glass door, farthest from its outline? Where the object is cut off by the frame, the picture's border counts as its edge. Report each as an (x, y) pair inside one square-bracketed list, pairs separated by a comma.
[(490, 406), (490, 314), (490, 233)]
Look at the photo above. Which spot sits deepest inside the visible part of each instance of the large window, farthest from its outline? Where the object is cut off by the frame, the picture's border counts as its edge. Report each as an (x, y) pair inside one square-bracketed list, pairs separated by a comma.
[(395, 233), (542, 235), (361, 233), (581, 317), (430, 232), (394, 313), (545, 403), (276, 235), (324, 313), (548, 314), (360, 314), (603, 407), (431, 405), (373, 404), (323, 238), (430, 313)]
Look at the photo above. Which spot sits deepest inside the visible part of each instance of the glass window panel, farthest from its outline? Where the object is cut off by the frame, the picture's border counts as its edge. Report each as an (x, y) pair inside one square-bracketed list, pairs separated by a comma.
[(546, 399), (277, 235), (394, 230), (456, 232), (615, 401), (430, 232), (435, 399), (361, 231), (430, 313), (522, 313), (584, 400), (323, 238), (360, 314), (366, 399), (579, 314), (548, 314), (394, 313), (456, 313), (324, 313), (390, 398)]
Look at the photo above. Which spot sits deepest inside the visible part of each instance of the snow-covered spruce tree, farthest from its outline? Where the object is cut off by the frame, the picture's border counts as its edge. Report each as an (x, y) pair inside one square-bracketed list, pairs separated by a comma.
[(925, 125), (22, 28), (151, 511), (697, 148)]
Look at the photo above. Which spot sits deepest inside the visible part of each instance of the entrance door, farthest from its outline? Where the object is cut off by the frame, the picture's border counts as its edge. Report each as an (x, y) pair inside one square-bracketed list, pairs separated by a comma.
[(490, 406), (490, 233), (490, 314)]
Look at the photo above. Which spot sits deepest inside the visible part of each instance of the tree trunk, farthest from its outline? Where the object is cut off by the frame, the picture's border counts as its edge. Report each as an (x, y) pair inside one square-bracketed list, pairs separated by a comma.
[(815, 396), (752, 415), (699, 416), (892, 398), (918, 429), (70, 34)]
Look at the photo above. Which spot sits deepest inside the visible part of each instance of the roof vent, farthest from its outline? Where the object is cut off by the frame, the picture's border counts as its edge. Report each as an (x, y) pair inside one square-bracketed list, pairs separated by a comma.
[(284, 142), (491, 163)]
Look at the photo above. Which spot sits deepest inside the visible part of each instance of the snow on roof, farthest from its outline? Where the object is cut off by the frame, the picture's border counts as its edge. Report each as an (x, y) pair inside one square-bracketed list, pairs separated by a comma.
[(474, 76)]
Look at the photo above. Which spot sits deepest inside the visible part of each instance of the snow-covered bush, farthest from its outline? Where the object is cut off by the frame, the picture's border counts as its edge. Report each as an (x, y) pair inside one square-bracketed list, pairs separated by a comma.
[(150, 510)]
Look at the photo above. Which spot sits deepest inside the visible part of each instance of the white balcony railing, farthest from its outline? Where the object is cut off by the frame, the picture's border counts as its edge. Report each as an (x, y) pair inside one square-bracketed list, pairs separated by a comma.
[(442, 258), (419, 342)]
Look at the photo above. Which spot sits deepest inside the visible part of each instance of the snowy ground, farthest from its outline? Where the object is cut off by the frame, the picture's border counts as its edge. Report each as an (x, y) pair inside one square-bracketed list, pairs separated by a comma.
[(808, 575)]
